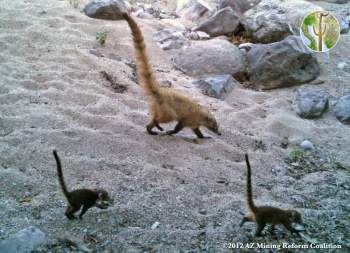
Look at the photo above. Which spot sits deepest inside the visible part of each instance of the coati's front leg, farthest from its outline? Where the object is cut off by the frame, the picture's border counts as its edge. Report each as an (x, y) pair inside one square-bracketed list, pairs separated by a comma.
[(199, 134), (159, 127), (289, 226), (151, 125), (70, 211), (83, 210), (245, 219), (179, 126), (272, 229), (259, 228)]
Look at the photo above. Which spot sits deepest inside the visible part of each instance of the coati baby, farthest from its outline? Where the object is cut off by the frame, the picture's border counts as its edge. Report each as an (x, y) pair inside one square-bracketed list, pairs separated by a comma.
[(85, 198), (263, 215), (167, 104)]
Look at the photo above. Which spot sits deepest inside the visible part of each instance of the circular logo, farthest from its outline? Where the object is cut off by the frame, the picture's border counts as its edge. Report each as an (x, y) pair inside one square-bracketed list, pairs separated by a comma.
[(320, 31)]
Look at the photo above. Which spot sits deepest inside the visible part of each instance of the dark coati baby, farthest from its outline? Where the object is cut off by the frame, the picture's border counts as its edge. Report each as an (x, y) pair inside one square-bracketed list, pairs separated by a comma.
[(85, 198), (263, 215), (167, 104)]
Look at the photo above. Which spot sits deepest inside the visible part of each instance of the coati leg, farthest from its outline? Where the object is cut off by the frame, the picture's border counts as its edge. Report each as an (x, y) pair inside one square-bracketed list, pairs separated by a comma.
[(245, 219), (288, 226), (259, 228), (179, 126), (151, 125), (199, 134), (159, 127), (70, 212), (83, 210)]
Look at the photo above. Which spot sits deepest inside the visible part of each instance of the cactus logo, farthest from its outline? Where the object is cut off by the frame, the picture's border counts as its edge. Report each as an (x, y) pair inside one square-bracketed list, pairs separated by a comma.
[(320, 31)]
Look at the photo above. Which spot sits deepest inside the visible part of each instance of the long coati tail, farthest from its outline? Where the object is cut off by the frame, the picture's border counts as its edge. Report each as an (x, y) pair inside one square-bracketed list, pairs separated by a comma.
[(144, 69), (250, 200), (60, 175)]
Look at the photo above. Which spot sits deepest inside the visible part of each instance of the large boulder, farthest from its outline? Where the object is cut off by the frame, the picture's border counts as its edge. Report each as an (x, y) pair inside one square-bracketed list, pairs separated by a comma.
[(281, 64), (238, 5), (211, 57), (342, 109), (193, 11), (222, 22), (273, 20), (24, 241), (217, 86), (311, 103), (106, 9)]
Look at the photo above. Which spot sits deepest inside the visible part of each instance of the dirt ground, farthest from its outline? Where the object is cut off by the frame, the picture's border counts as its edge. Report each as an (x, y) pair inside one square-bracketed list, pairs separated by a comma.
[(53, 96)]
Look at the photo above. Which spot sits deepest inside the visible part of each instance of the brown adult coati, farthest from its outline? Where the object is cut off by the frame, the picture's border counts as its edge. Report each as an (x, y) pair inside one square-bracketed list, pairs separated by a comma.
[(85, 198), (263, 215), (167, 104)]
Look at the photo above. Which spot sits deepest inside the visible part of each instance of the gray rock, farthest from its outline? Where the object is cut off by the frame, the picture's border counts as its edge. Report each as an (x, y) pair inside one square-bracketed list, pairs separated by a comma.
[(169, 39), (24, 241), (216, 86), (210, 57), (307, 145), (193, 11), (281, 64), (246, 46), (344, 21), (143, 14), (196, 35), (342, 109), (224, 21), (238, 5), (273, 20), (311, 103), (106, 9)]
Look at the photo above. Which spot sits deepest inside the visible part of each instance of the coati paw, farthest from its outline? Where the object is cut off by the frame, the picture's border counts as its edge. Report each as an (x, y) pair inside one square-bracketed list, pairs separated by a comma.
[(152, 133)]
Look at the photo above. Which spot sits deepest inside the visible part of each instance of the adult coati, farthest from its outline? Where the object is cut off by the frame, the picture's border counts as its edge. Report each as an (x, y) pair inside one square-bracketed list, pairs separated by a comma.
[(85, 198), (263, 215), (167, 104)]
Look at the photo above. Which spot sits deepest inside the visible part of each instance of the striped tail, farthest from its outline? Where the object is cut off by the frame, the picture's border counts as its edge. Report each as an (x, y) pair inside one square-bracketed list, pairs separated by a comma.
[(250, 201), (144, 69), (60, 176)]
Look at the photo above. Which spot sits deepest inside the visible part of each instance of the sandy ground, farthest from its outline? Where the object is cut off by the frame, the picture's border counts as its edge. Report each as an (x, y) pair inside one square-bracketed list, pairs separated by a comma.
[(52, 96)]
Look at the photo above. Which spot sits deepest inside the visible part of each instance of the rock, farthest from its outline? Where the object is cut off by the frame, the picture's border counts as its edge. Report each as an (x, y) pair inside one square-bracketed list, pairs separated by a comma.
[(216, 86), (211, 57), (169, 39), (281, 64), (24, 241), (307, 145), (273, 20), (193, 11), (198, 35), (246, 46), (106, 9), (344, 21), (238, 5), (342, 109), (222, 22), (311, 103), (279, 170), (143, 14), (155, 225)]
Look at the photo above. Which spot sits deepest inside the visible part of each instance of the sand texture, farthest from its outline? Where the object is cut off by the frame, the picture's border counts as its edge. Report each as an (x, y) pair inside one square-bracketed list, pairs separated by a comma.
[(53, 96)]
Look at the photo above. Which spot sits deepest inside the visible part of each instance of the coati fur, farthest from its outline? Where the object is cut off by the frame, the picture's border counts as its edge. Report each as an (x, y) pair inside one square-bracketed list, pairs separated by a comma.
[(85, 198), (263, 215), (167, 104)]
